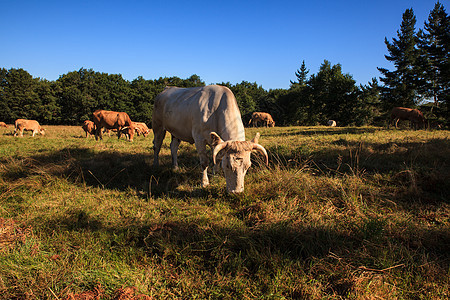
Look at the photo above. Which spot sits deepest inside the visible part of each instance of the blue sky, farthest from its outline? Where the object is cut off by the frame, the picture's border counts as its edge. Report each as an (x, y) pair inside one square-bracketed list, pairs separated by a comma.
[(221, 41)]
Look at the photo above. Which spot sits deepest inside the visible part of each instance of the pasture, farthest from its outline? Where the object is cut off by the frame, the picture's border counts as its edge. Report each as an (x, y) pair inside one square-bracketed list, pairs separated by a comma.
[(358, 213)]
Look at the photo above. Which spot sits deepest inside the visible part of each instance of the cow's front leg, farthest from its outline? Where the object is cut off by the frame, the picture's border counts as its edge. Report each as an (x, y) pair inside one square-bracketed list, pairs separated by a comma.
[(159, 134), (173, 151), (98, 133), (204, 161)]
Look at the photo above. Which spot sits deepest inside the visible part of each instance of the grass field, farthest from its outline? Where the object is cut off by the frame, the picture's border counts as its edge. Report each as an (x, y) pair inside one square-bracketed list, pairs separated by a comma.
[(354, 213)]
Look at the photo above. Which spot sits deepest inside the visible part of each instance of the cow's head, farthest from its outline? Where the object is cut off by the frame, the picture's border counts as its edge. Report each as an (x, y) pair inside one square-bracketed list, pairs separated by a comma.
[(235, 157), (42, 131), (128, 131), (143, 131)]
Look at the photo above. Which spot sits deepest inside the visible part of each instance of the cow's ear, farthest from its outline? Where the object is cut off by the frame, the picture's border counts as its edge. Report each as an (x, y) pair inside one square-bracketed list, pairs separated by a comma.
[(215, 139), (256, 138)]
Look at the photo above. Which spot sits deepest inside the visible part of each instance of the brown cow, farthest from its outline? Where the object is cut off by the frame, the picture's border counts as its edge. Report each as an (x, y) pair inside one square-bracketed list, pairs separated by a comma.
[(113, 120), (414, 115), (263, 117), (3, 124), (28, 125), (88, 127), (141, 128)]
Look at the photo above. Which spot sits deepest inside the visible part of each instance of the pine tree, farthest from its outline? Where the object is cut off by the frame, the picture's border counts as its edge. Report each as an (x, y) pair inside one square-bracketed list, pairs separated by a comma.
[(301, 75), (434, 63), (400, 85)]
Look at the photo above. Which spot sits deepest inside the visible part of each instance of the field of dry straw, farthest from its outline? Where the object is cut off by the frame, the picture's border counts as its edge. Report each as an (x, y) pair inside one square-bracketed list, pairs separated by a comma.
[(339, 213)]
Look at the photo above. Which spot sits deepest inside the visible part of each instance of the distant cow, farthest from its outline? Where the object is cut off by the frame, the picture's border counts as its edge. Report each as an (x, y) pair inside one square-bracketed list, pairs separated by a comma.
[(261, 117), (414, 115), (28, 125), (88, 127), (205, 116), (113, 120), (3, 124), (331, 123), (141, 128)]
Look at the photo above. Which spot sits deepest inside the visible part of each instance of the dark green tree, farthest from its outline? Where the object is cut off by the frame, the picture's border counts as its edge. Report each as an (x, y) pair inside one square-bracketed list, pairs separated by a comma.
[(143, 95), (247, 95), (371, 112), (434, 63), (193, 81), (334, 95), (401, 85), (295, 106), (18, 96), (5, 109), (295, 102), (49, 111), (74, 98), (301, 75)]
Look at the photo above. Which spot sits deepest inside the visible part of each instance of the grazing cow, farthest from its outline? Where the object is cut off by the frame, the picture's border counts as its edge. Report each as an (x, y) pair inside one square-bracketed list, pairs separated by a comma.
[(205, 116), (141, 128), (3, 124), (414, 115), (28, 125), (331, 123), (113, 120), (264, 118), (88, 127)]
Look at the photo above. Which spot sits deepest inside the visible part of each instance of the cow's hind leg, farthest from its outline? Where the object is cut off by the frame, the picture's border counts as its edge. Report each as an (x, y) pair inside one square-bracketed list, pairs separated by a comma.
[(396, 122), (159, 134), (173, 150)]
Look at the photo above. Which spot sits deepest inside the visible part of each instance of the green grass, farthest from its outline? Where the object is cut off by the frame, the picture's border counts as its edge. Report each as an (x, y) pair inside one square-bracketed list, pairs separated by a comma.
[(358, 213)]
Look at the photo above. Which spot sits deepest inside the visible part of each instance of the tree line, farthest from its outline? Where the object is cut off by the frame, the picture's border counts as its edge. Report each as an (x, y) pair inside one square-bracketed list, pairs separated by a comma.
[(421, 75)]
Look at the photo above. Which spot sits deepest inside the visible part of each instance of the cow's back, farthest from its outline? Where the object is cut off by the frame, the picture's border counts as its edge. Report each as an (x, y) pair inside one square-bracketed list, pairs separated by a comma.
[(105, 118), (27, 124), (266, 116), (19, 121), (185, 112), (401, 112)]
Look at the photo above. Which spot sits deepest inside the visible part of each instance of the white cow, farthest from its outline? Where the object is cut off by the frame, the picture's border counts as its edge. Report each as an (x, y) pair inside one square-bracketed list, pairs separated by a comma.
[(205, 116), (28, 125), (331, 123)]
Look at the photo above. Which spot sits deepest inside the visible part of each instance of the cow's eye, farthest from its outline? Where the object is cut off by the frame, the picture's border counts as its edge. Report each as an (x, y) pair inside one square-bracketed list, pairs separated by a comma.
[(239, 161)]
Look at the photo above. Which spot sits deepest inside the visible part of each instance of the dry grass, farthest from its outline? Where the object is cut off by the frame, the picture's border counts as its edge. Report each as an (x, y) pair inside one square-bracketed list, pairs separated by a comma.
[(360, 213)]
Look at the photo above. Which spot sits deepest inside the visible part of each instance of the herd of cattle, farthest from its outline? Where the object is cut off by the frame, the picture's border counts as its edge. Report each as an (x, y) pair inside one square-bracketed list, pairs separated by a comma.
[(120, 122), (202, 116)]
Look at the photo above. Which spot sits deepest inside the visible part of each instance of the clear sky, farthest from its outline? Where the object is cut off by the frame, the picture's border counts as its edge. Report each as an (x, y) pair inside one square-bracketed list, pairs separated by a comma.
[(220, 41)]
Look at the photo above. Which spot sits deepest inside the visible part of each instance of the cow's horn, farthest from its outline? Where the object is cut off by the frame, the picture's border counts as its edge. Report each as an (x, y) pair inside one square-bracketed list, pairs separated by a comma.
[(217, 149), (263, 151), (123, 128)]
